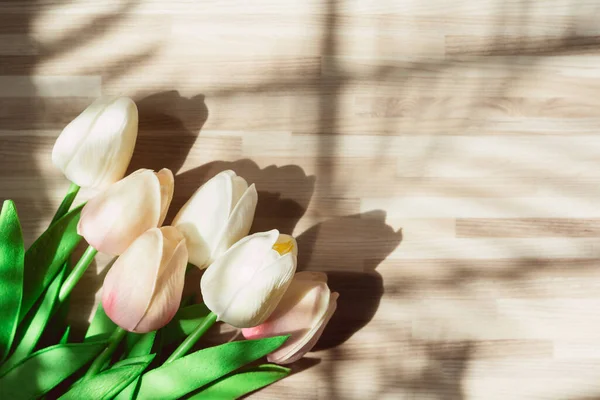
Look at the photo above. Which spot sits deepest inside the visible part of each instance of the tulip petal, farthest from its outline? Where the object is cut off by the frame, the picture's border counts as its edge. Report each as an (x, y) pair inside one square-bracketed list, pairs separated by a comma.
[(128, 286), (169, 280), (310, 339), (203, 217), (255, 301), (271, 257), (102, 158), (74, 134), (107, 221), (231, 174), (239, 188), (303, 312), (239, 222), (301, 308), (167, 187), (231, 272)]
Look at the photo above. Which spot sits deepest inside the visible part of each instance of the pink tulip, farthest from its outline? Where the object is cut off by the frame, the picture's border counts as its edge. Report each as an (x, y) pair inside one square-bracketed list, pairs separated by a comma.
[(112, 220), (142, 290), (303, 312)]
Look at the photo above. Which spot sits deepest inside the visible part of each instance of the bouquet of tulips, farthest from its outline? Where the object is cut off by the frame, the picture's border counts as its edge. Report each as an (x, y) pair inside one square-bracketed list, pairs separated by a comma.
[(140, 342)]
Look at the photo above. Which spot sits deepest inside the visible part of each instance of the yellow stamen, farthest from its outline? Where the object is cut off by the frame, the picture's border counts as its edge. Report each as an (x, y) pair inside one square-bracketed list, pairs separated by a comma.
[(283, 247)]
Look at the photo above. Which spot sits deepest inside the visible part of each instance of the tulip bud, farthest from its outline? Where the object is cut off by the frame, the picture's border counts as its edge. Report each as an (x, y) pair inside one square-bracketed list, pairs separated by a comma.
[(245, 284), (219, 214), (303, 312), (142, 290), (94, 150), (113, 219)]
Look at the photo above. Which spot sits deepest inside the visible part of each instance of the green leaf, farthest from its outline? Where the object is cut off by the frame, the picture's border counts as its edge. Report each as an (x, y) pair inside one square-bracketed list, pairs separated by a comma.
[(57, 324), (66, 202), (65, 337), (108, 383), (101, 327), (184, 323), (195, 370), (33, 326), (11, 274), (134, 360), (45, 369), (130, 340), (142, 347), (137, 344), (46, 256), (238, 384)]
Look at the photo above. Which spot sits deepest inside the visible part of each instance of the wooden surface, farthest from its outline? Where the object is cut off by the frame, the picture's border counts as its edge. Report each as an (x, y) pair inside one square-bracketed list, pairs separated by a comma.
[(440, 158)]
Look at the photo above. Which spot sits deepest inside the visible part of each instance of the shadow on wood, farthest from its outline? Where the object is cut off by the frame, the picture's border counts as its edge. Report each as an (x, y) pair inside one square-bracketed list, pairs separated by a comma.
[(168, 127), (349, 249)]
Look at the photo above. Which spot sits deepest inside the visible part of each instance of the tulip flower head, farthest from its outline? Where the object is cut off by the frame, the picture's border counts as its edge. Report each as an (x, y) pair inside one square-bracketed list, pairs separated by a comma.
[(245, 284), (142, 290), (95, 149), (303, 312), (113, 219), (218, 215)]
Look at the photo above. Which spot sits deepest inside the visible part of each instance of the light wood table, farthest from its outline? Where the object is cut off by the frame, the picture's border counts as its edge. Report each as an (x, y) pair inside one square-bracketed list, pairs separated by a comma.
[(440, 158)]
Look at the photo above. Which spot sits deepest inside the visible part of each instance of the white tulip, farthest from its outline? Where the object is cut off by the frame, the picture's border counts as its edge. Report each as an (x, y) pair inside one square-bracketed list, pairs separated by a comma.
[(245, 284), (95, 149), (219, 214)]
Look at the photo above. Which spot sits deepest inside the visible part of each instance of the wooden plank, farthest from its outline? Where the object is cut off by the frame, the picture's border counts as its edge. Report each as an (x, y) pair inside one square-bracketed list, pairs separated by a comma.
[(527, 227)]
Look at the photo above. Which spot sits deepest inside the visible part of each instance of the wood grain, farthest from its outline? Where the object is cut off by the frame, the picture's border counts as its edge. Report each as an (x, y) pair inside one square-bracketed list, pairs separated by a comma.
[(440, 159)]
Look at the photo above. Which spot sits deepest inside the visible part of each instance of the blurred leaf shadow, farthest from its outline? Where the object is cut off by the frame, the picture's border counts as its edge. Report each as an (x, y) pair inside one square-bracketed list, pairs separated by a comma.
[(100, 24), (443, 374)]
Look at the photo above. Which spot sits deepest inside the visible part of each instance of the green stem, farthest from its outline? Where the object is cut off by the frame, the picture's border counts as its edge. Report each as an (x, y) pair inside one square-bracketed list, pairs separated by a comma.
[(76, 273), (113, 342), (66, 203), (191, 340)]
